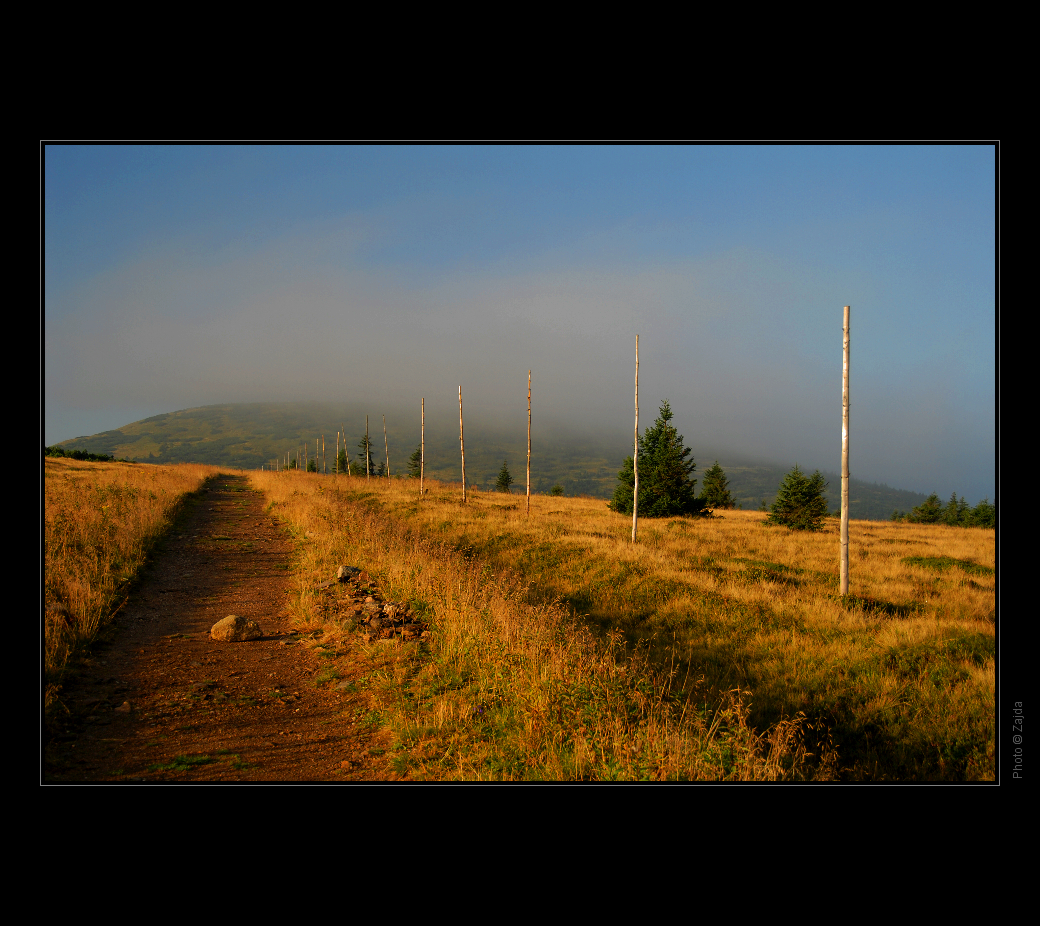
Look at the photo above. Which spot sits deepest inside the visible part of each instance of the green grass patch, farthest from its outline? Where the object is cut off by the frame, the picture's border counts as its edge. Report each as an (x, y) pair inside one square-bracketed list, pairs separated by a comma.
[(944, 563), (181, 764)]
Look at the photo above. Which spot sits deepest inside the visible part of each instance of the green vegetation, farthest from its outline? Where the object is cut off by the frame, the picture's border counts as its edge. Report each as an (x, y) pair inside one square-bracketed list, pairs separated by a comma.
[(665, 486), (715, 491), (956, 513), (415, 463), (504, 479), (61, 452), (799, 503)]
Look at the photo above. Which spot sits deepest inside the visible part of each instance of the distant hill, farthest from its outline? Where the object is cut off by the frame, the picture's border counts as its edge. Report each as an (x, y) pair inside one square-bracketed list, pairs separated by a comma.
[(248, 436)]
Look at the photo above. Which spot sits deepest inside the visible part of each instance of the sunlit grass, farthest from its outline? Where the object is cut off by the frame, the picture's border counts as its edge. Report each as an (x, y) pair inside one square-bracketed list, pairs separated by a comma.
[(100, 520), (720, 604)]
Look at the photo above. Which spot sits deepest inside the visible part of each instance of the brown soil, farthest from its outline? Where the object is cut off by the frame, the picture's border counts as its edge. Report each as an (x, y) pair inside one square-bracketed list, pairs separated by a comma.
[(157, 700)]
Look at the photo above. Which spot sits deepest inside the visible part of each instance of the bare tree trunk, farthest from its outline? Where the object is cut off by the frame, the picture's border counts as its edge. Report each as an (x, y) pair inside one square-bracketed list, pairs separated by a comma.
[(528, 442), (462, 447), (845, 456), (635, 453)]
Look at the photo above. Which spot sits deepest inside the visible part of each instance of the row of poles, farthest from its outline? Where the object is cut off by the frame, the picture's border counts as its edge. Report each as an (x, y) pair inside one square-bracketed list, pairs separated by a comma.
[(301, 455), (844, 568)]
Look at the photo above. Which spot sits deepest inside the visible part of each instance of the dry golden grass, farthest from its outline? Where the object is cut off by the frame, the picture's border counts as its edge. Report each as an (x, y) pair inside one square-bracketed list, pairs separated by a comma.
[(900, 674), (100, 520), (510, 687)]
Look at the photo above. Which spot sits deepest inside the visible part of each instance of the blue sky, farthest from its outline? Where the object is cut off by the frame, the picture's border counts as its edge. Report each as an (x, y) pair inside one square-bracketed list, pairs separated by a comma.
[(178, 276)]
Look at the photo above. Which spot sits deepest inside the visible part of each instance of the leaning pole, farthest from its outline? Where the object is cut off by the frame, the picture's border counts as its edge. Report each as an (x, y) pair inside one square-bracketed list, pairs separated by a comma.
[(845, 456)]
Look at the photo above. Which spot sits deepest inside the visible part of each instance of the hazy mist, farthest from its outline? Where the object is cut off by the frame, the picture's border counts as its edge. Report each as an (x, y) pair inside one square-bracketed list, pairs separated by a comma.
[(396, 296)]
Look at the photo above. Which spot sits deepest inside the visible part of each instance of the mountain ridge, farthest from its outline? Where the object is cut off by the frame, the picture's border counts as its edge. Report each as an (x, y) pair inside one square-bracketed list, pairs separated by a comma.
[(251, 435)]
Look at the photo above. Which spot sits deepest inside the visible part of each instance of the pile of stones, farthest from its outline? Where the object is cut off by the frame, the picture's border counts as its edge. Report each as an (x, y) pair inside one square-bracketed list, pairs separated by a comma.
[(375, 617)]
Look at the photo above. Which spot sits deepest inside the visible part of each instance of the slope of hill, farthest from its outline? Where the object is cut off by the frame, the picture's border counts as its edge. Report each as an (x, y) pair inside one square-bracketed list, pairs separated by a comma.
[(249, 436)]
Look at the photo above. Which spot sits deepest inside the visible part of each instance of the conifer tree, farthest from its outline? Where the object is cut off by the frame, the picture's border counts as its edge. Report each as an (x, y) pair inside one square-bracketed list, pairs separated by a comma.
[(715, 490), (665, 486), (799, 503), (365, 454), (929, 513), (504, 479), (415, 462), (983, 514)]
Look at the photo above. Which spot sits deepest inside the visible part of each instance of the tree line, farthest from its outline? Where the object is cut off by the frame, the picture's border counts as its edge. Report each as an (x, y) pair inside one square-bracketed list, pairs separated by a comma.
[(956, 513), (82, 455)]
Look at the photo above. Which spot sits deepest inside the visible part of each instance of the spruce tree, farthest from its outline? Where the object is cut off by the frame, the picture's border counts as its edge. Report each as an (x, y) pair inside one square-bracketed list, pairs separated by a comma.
[(365, 455), (715, 490), (504, 479), (928, 513), (799, 503), (665, 486), (983, 514), (415, 462)]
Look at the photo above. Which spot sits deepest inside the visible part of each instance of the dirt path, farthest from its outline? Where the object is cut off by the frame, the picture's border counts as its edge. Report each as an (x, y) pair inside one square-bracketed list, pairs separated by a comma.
[(159, 700)]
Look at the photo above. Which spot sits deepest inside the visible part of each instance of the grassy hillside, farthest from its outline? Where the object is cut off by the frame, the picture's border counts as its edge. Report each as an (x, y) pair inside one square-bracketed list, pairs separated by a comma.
[(714, 649), (249, 436)]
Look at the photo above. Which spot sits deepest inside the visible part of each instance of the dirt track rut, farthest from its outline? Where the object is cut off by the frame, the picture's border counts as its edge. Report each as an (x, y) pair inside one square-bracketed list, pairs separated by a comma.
[(159, 701)]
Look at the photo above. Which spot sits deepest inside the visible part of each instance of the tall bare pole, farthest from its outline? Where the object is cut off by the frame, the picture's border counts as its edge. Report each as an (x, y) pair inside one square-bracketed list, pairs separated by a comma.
[(845, 456), (422, 448), (528, 442), (386, 447), (462, 447), (635, 453)]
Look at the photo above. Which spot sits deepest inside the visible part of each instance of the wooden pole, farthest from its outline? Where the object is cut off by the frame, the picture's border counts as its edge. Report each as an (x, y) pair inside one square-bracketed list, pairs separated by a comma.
[(422, 448), (386, 447), (528, 443), (635, 453), (462, 447), (845, 455)]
